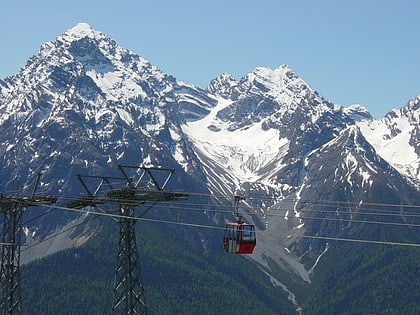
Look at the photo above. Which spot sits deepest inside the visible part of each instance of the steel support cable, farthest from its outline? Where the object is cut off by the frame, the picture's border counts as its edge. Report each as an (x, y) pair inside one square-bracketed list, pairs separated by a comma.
[(307, 218), (59, 233), (308, 210), (116, 216), (199, 208), (257, 211), (38, 216), (280, 199), (353, 240), (298, 200), (351, 221), (222, 229), (302, 200), (211, 207)]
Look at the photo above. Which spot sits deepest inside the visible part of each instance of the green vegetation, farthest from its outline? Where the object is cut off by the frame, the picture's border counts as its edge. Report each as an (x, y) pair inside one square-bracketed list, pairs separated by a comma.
[(178, 278), (367, 279), (181, 278)]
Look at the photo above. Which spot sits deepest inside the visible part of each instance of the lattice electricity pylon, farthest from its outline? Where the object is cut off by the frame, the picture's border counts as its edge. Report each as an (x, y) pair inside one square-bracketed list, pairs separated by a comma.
[(128, 290), (12, 209), (146, 185), (10, 257)]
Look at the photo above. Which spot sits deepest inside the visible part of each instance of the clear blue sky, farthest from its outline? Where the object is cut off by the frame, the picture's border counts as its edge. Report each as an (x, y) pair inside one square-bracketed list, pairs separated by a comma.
[(358, 51)]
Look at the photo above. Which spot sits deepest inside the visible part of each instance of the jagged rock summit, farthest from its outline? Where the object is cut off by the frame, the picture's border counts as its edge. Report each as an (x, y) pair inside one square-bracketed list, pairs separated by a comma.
[(396, 137), (81, 30), (85, 104), (358, 112)]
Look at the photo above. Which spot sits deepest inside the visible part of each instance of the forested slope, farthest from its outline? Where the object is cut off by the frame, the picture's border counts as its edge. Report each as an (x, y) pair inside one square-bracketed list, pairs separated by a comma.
[(178, 278)]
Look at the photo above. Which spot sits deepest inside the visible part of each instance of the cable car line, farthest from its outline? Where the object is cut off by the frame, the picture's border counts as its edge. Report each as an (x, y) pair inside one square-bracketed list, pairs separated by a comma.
[(268, 215), (398, 215), (38, 216), (281, 199), (96, 214), (269, 212), (353, 221), (306, 217), (301, 200), (334, 219), (58, 233), (199, 208), (360, 240), (380, 212)]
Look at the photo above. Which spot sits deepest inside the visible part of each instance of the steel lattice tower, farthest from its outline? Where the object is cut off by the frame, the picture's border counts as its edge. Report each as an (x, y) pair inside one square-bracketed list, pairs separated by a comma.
[(129, 295), (128, 289), (13, 209), (10, 259)]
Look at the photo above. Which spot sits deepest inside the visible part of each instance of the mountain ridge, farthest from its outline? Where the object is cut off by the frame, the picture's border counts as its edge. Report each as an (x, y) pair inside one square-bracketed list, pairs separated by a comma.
[(396, 137), (86, 104)]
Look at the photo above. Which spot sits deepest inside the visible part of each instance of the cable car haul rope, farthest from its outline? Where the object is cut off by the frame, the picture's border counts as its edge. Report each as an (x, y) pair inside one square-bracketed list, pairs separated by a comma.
[(238, 238), (199, 207)]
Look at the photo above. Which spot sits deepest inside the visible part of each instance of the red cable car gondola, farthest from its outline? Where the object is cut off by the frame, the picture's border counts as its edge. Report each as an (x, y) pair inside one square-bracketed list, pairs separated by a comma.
[(239, 237)]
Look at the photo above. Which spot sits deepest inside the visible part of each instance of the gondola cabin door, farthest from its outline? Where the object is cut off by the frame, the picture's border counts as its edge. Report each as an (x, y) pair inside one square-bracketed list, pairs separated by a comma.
[(239, 238)]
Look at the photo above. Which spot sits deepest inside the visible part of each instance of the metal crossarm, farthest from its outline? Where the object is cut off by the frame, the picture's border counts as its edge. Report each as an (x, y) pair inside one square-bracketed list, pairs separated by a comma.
[(10, 259), (151, 173), (12, 209), (146, 185)]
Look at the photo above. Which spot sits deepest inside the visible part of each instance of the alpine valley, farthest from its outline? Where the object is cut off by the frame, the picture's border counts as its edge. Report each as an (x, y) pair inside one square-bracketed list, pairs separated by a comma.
[(334, 193)]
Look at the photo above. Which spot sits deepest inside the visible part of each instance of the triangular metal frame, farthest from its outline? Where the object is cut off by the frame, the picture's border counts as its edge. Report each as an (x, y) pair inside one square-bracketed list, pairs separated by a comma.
[(13, 209), (147, 184)]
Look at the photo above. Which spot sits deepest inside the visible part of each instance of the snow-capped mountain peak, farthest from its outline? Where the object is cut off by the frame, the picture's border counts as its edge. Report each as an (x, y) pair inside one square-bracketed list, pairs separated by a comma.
[(83, 78), (85, 104), (83, 33), (396, 138), (80, 31), (109, 72), (358, 112), (222, 85), (273, 82)]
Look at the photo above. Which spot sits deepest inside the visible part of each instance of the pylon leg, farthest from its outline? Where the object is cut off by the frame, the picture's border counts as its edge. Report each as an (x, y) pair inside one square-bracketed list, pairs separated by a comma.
[(128, 287), (10, 259)]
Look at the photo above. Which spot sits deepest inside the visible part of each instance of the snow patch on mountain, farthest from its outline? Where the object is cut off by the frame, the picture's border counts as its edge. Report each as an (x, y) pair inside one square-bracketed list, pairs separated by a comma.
[(177, 151), (392, 148), (79, 31), (396, 138), (222, 85), (358, 112), (242, 152), (269, 134), (354, 163)]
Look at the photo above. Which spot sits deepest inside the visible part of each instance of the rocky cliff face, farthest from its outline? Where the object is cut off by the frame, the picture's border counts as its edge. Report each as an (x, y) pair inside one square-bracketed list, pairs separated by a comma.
[(308, 167), (396, 138)]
